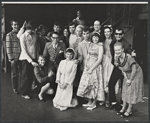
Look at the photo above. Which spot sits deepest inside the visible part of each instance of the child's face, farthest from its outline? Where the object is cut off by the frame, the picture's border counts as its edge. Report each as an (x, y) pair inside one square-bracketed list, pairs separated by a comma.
[(86, 35), (41, 61), (69, 56)]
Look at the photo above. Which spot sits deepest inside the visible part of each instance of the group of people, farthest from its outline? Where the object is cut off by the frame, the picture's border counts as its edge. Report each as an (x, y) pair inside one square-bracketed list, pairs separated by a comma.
[(75, 63)]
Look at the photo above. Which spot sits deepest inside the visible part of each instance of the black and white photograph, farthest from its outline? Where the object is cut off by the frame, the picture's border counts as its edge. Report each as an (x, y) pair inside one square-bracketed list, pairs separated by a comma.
[(74, 61)]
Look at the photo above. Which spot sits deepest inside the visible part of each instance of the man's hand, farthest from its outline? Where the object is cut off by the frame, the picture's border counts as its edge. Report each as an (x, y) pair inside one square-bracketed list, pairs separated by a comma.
[(34, 64), (76, 61), (24, 24), (133, 53), (50, 73)]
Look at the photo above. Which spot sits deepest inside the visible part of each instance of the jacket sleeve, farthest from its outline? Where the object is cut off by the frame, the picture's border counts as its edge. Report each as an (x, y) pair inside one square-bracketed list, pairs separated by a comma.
[(9, 47), (39, 77)]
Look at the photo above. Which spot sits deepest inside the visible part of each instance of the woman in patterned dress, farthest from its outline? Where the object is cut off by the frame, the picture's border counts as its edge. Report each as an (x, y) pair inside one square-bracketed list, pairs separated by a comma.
[(132, 90), (91, 83)]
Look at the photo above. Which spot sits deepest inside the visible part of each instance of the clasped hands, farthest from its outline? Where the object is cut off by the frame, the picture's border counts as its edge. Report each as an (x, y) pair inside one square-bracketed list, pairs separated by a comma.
[(62, 86)]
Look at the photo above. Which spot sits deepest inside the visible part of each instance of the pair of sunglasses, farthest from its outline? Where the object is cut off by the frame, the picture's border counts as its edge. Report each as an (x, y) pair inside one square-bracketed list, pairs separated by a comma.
[(118, 33)]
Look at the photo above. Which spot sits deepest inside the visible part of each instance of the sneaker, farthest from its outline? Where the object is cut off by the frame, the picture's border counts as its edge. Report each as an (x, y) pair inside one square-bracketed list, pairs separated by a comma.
[(26, 97)]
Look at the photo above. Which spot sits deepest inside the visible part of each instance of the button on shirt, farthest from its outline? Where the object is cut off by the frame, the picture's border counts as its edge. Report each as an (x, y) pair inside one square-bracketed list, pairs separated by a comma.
[(29, 49)]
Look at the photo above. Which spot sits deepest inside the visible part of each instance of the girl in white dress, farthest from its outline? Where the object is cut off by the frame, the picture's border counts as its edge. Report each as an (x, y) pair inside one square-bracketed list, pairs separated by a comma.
[(65, 76)]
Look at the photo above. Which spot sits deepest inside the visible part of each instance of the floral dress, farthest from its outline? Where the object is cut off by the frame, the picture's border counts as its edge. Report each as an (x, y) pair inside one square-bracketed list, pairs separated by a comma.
[(133, 93), (91, 85)]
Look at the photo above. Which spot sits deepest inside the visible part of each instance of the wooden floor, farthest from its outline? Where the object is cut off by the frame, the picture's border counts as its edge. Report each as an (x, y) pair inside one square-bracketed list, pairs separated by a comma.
[(16, 108)]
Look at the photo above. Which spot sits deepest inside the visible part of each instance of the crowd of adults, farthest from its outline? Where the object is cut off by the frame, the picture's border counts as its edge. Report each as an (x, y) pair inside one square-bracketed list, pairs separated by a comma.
[(75, 63)]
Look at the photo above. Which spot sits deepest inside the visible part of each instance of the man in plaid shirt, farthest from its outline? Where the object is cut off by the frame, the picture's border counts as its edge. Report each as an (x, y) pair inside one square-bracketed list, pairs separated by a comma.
[(13, 52)]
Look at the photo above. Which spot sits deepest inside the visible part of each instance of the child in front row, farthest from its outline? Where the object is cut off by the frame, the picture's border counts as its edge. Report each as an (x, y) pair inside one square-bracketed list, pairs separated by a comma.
[(45, 79), (65, 76)]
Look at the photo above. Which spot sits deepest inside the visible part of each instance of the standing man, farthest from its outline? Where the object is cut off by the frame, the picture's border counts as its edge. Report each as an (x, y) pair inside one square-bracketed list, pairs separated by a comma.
[(73, 37), (13, 50), (83, 48), (28, 57), (117, 73), (54, 51), (97, 27)]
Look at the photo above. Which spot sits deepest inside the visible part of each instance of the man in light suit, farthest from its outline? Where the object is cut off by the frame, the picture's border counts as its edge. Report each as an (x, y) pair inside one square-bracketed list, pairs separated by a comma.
[(54, 51), (83, 48)]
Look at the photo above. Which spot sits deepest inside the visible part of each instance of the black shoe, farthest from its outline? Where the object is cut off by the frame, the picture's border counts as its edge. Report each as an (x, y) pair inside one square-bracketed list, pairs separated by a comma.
[(118, 107), (112, 107)]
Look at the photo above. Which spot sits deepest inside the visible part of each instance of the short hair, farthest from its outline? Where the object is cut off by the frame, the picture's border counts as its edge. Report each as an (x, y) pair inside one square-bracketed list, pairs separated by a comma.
[(97, 35), (118, 44), (86, 28), (72, 23), (119, 29), (30, 25), (70, 50), (41, 27), (57, 23), (55, 33), (80, 26), (13, 20), (41, 56)]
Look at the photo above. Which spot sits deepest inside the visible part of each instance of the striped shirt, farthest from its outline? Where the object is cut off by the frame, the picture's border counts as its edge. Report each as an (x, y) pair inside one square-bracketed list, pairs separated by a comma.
[(13, 48)]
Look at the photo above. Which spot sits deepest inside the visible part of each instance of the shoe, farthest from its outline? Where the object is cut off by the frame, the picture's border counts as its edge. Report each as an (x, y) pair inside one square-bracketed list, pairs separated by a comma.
[(26, 97), (91, 107), (112, 107), (107, 105), (126, 114), (121, 112), (15, 91), (43, 100), (101, 103), (86, 105)]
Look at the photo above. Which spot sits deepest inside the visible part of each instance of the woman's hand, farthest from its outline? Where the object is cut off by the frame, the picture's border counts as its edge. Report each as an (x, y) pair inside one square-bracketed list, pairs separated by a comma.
[(89, 71), (128, 82)]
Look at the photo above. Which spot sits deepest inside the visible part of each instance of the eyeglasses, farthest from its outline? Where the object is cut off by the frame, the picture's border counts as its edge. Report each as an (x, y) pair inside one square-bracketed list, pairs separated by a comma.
[(118, 33), (55, 37)]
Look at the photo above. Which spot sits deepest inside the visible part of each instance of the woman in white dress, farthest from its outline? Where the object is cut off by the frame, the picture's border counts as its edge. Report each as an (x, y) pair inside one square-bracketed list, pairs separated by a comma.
[(65, 76)]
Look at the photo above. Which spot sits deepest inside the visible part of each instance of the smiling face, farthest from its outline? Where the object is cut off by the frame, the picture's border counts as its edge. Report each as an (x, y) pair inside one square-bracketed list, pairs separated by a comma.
[(55, 39), (56, 28), (118, 50), (86, 35), (107, 33), (79, 32), (119, 35), (66, 33), (15, 26), (95, 39), (72, 29), (41, 61), (97, 26), (69, 55)]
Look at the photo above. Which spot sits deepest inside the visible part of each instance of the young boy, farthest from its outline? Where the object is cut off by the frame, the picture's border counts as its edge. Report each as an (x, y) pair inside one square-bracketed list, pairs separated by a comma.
[(44, 79)]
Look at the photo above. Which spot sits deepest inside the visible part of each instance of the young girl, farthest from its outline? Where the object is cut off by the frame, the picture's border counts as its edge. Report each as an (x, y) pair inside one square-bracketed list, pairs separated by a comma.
[(65, 76), (44, 78), (132, 90)]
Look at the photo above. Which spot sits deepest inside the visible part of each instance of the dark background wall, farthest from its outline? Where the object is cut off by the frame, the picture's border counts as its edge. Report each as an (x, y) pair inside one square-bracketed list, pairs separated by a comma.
[(47, 14)]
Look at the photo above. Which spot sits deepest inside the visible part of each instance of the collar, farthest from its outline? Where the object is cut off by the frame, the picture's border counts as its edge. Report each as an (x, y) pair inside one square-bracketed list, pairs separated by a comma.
[(55, 46), (86, 41)]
